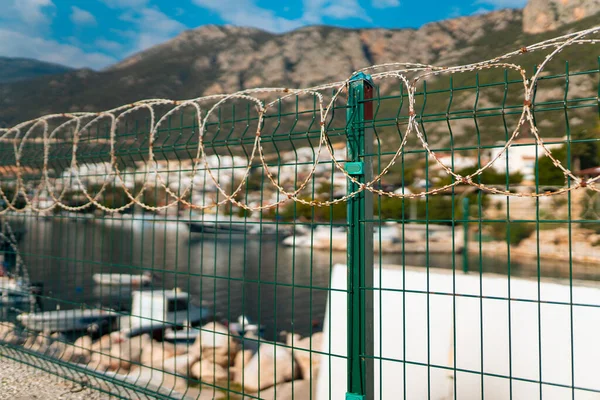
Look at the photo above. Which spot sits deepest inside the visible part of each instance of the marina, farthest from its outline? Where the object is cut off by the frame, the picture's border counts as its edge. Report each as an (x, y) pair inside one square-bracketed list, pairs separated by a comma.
[(199, 315), (215, 200), (205, 258)]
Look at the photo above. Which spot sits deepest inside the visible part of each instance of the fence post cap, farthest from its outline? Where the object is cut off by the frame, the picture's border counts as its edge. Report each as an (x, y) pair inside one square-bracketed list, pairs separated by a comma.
[(361, 76)]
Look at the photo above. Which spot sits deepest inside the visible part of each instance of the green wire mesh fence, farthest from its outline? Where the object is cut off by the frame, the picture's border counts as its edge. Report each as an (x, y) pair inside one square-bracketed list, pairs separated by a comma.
[(412, 232)]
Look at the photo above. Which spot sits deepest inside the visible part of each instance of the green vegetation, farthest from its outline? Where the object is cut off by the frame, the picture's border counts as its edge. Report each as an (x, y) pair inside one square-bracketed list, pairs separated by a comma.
[(115, 197), (9, 192), (547, 172), (489, 177), (585, 150), (590, 210), (303, 212), (518, 231), (585, 153), (436, 209)]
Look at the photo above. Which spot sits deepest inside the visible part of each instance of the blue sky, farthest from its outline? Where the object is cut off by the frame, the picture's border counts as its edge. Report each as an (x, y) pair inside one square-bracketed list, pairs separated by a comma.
[(97, 33)]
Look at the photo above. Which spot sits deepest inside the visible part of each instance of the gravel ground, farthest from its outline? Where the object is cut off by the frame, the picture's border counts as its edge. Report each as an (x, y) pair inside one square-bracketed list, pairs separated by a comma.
[(22, 382)]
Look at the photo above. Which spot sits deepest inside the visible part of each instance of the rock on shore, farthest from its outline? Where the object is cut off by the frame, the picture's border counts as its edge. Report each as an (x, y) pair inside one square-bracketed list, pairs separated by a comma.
[(217, 360)]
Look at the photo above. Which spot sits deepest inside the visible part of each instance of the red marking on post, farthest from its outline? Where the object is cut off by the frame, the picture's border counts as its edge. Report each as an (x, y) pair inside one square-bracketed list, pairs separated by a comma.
[(368, 105)]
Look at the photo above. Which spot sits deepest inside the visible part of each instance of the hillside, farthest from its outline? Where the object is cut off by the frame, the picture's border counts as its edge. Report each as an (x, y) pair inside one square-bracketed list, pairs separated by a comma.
[(222, 59), (19, 69), (215, 59), (544, 15)]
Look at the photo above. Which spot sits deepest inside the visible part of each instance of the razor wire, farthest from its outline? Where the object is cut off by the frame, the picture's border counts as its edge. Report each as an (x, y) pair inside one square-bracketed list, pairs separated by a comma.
[(397, 70)]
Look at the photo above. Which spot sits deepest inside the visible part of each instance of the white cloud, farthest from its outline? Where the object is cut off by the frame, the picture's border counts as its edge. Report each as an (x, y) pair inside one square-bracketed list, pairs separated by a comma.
[(16, 44), (153, 27), (33, 12), (315, 10), (26, 34), (108, 45), (128, 34), (82, 17), (248, 13), (125, 3), (454, 12), (503, 3), (480, 11), (385, 3)]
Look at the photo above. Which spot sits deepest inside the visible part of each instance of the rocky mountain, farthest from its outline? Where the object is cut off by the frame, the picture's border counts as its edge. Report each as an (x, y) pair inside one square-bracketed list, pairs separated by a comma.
[(221, 59), (18, 69), (543, 15)]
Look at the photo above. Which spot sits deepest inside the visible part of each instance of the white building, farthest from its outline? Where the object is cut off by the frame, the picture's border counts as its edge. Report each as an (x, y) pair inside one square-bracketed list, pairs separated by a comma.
[(522, 155), (460, 161)]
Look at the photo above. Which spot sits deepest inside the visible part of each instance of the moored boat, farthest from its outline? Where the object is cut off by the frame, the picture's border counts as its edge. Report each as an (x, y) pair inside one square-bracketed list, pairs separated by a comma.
[(16, 290), (244, 326), (188, 335), (14, 293), (156, 311), (212, 225), (182, 336), (123, 279), (70, 320)]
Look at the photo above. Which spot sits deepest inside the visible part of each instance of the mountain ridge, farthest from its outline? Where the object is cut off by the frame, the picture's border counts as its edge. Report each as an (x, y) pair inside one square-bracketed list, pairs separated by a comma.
[(14, 69), (222, 59)]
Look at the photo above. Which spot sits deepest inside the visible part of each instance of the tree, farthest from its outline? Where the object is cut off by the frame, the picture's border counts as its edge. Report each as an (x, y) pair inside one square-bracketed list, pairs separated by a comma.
[(584, 152), (433, 208), (296, 210), (255, 180), (518, 231), (9, 193), (547, 172), (489, 176)]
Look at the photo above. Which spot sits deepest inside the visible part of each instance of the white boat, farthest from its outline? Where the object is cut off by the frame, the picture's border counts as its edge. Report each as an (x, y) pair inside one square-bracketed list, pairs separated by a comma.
[(70, 320), (188, 335), (321, 237), (14, 293), (15, 289), (182, 336), (386, 238), (152, 310), (156, 310), (243, 326), (211, 225), (78, 217), (123, 279)]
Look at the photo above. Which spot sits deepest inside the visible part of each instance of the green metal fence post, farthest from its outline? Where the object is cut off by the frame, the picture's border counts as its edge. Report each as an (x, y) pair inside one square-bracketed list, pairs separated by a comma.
[(465, 205), (360, 240)]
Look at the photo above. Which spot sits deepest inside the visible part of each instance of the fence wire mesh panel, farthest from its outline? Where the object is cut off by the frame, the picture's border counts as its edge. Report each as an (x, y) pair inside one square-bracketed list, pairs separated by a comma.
[(412, 232)]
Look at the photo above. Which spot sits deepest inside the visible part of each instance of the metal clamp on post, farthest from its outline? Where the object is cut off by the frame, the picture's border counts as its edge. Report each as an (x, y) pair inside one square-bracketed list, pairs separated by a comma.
[(355, 168)]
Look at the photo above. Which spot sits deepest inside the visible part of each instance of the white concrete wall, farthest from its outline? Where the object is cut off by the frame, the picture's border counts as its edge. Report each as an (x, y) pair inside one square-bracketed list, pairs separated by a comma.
[(524, 333)]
